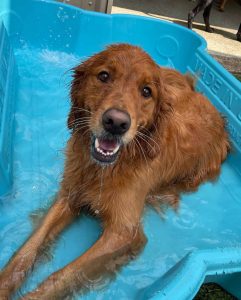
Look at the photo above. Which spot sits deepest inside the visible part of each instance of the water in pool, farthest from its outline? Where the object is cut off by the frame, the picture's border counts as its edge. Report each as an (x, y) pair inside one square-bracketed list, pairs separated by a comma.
[(203, 221)]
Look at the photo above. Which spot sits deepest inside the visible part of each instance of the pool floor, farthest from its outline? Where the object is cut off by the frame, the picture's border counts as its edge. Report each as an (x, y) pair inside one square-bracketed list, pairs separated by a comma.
[(209, 218)]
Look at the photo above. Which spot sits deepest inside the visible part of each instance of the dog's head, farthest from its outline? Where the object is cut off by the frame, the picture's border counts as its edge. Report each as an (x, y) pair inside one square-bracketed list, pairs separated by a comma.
[(116, 97)]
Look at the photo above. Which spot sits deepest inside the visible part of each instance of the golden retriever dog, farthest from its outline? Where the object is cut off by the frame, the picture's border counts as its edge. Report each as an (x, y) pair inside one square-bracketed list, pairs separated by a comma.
[(138, 130)]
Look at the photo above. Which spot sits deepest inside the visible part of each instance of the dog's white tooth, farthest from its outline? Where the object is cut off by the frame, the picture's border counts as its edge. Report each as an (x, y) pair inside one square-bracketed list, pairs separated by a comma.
[(97, 144), (116, 149), (100, 151)]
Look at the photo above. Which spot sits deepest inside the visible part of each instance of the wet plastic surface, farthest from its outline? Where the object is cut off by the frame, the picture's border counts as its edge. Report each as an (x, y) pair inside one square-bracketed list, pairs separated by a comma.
[(202, 239)]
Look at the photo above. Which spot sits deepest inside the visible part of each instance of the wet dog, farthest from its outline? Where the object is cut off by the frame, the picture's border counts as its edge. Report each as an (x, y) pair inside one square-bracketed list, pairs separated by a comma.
[(138, 130)]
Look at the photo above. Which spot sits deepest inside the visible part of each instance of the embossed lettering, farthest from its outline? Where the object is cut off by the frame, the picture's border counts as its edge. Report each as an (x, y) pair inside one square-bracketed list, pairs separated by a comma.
[(209, 78), (225, 93), (216, 86), (200, 69), (226, 97), (236, 105)]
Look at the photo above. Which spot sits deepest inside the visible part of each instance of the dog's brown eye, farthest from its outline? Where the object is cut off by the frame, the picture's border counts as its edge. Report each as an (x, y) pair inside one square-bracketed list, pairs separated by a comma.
[(146, 92), (103, 76)]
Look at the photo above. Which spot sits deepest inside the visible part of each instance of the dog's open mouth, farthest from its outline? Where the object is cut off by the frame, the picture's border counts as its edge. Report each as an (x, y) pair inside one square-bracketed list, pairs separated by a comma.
[(105, 150)]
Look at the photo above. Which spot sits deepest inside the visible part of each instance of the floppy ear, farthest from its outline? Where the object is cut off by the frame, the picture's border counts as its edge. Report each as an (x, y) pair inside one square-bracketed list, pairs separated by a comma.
[(79, 74), (77, 96), (172, 87), (162, 112), (193, 128)]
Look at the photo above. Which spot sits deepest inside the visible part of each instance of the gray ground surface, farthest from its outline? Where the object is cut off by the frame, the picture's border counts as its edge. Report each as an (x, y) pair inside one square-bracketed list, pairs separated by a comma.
[(222, 44)]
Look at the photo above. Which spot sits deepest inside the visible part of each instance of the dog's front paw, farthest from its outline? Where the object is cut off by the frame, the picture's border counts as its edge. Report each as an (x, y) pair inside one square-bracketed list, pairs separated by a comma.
[(4, 290), (238, 35), (210, 29), (189, 21), (5, 287)]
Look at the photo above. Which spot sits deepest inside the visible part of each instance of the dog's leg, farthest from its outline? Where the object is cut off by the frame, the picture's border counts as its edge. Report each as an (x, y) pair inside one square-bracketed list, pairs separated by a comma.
[(14, 273), (222, 5), (206, 15), (239, 33), (112, 249), (192, 14)]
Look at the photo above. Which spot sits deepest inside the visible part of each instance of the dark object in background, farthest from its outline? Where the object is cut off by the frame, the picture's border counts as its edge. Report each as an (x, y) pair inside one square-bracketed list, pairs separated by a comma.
[(213, 291), (222, 5), (205, 5), (239, 33)]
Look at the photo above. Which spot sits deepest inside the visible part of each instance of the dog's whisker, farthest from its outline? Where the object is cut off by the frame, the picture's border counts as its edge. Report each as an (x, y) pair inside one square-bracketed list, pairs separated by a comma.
[(145, 141), (86, 131), (81, 123), (76, 124), (82, 109), (83, 118), (132, 149), (140, 147), (144, 137), (79, 119), (140, 150), (79, 129), (148, 137), (148, 132), (144, 129)]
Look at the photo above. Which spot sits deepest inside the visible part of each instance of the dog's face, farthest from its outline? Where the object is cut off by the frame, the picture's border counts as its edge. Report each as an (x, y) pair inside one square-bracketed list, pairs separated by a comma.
[(114, 94)]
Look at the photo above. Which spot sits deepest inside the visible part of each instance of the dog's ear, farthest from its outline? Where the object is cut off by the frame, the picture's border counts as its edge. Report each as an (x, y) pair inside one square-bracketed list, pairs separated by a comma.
[(181, 119), (172, 87), (79, 74)]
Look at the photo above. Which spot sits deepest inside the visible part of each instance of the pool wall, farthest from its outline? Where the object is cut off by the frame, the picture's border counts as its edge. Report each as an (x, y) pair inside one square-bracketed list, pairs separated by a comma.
[(8, 82), (54, 26)]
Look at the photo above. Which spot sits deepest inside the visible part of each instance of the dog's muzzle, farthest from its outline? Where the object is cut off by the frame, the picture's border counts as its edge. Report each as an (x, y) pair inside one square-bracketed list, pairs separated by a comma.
[(106, 147)]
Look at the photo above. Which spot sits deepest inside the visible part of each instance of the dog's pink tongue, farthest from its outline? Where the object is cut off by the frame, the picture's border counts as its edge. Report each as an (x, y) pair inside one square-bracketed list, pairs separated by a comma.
[(107, 145)]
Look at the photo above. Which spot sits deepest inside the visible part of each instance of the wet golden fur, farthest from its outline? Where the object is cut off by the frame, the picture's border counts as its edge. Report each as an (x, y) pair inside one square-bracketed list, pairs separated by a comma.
[(176, 141)]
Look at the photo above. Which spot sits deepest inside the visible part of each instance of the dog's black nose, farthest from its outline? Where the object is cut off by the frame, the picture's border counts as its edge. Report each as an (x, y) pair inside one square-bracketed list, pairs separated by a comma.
[(116, 121)]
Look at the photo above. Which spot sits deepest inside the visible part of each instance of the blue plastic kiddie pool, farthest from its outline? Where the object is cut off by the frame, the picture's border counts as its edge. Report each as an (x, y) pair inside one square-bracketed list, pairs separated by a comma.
[(40, 41)]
